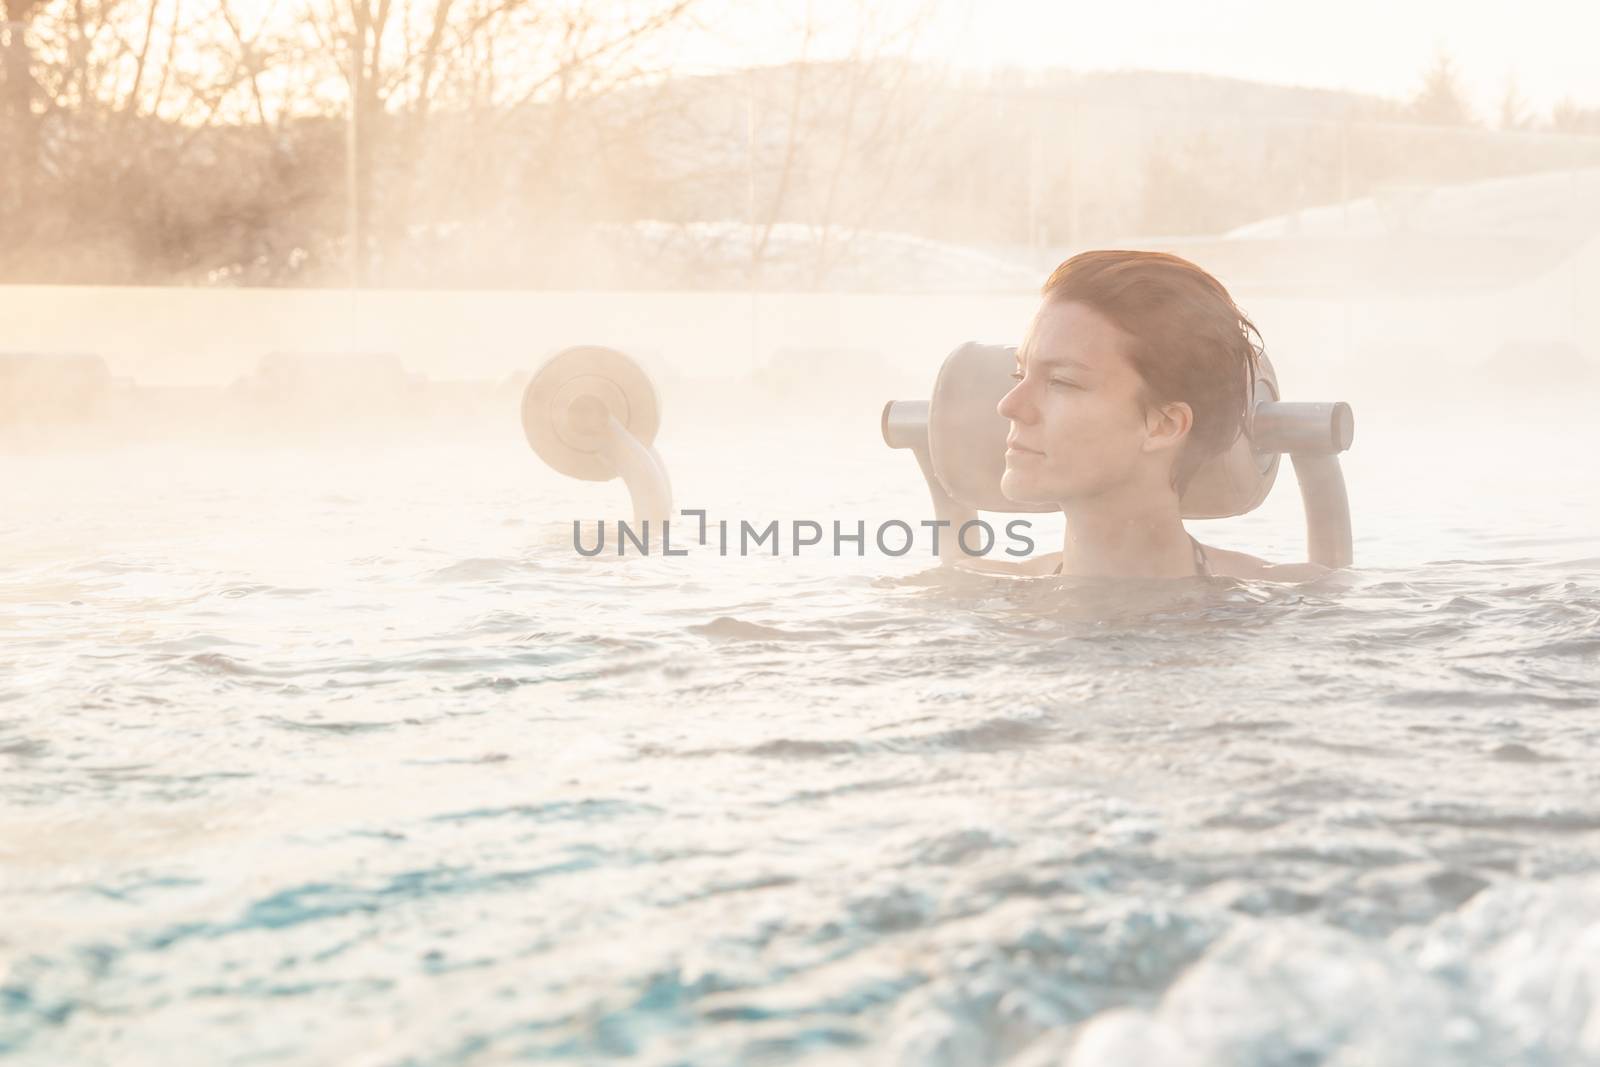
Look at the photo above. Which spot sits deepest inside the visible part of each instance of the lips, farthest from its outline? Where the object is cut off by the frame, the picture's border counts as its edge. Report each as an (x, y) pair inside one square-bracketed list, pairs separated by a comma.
[(1012, 446)]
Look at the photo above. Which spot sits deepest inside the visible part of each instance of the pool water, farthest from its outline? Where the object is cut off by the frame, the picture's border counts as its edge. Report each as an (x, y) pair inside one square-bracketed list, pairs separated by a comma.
[(339, 753)]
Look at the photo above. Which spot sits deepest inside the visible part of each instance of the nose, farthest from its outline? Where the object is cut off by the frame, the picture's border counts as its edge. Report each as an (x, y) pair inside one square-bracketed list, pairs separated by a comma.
[(1012, 406)]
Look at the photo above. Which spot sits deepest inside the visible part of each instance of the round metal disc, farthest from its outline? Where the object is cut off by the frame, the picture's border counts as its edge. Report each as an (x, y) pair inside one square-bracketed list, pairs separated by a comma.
[(565, 404), (1265, 387)]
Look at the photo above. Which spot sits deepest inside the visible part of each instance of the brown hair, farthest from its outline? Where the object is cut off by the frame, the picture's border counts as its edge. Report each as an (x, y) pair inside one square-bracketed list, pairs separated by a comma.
[(1192, 343)]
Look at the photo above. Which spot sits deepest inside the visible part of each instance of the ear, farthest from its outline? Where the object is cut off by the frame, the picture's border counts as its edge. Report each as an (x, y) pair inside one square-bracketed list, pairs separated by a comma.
[(1167, 426)]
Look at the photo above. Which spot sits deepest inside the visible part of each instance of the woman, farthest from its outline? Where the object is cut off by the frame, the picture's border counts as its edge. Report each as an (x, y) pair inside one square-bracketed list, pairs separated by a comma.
[(1134, 372)]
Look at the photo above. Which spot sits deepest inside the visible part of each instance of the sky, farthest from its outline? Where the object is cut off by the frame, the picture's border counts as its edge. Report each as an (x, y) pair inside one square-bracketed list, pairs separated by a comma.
[(1551, 48)]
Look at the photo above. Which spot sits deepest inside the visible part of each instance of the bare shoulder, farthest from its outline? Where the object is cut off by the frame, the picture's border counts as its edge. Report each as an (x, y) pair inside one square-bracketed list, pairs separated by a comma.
[(1243, 565)]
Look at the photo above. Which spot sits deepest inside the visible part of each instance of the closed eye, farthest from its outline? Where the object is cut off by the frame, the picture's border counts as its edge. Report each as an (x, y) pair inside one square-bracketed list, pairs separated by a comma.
[(1016, 376), (1067, 384)]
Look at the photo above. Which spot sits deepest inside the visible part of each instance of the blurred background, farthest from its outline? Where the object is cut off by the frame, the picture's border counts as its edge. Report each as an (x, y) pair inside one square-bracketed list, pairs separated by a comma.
[(328, 207)]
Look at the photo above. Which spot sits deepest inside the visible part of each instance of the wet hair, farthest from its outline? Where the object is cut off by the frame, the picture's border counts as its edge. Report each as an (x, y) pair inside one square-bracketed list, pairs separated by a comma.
[(1191, 341)]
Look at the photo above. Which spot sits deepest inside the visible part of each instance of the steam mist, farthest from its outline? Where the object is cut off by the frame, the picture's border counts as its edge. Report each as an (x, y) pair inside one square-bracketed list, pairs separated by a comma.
[(503, 181)]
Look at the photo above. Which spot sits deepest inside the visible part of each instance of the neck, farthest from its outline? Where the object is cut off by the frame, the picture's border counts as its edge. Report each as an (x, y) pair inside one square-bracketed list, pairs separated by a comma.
[(1126, 538)]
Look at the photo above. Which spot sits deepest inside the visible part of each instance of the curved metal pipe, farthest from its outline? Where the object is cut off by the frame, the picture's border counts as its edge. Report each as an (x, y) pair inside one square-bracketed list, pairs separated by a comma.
[(1327, 504), (1286, 426), (641, 469), (904, 424)]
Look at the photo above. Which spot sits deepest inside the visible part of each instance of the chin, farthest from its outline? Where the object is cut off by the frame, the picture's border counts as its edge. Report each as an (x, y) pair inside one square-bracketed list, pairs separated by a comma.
[(1024, 490)]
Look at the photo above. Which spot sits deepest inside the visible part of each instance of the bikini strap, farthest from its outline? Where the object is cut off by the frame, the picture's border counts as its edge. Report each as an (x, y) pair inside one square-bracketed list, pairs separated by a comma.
[(1202, 569)]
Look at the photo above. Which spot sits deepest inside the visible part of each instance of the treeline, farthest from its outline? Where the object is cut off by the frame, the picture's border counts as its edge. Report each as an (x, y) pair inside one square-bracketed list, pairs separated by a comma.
[(505, 143), (156, 141)]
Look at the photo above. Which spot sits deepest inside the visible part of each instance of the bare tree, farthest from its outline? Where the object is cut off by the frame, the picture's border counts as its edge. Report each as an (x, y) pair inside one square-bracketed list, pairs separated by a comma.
[(803, 154), (1513, 109), (1441, 100), (97, 107), (1568, 117), (433, 87), (18, 125)]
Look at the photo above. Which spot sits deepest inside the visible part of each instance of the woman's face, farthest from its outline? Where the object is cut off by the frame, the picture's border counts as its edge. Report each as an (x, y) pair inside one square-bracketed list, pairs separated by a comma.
[(1078, 427)]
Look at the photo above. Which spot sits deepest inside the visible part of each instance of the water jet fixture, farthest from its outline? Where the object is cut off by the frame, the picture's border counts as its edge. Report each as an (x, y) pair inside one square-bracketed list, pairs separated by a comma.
[(591, 412)]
